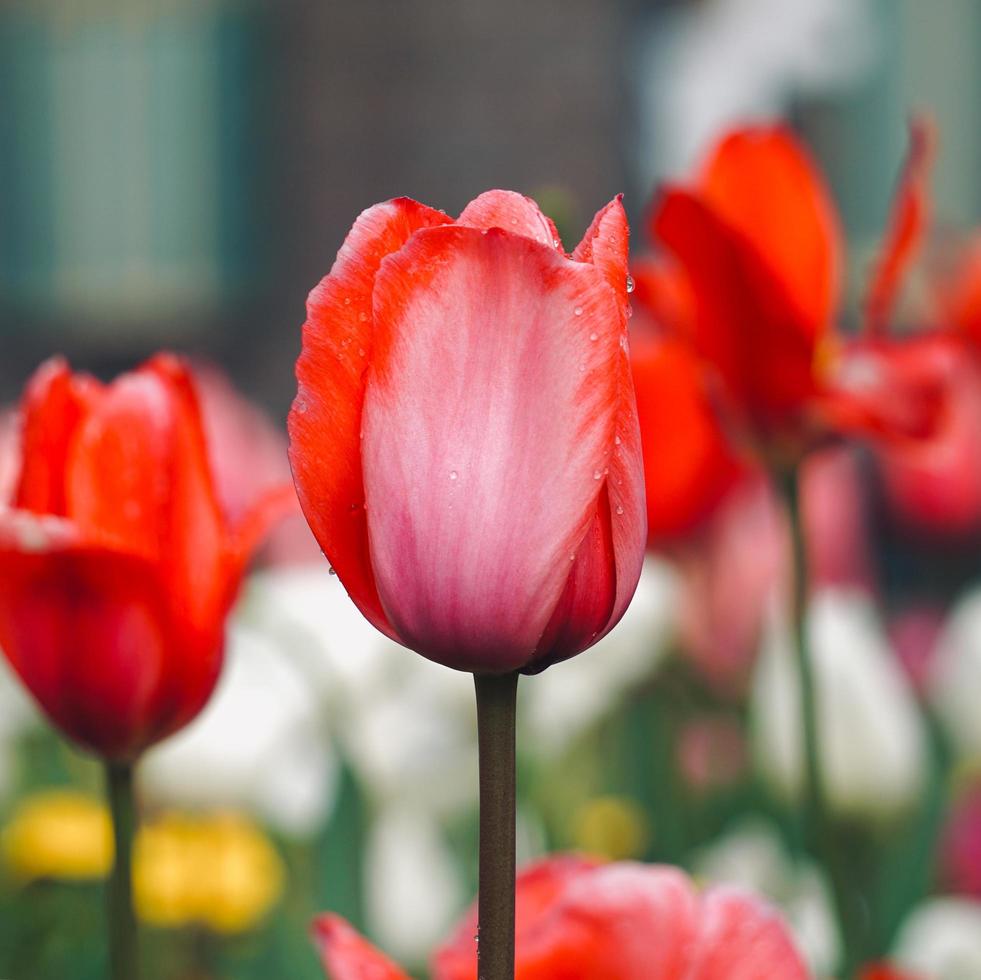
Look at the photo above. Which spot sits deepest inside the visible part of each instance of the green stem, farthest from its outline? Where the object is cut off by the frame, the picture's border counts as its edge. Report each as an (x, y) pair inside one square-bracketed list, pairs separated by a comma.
[(121, 926), (496, 702), (817, 833)]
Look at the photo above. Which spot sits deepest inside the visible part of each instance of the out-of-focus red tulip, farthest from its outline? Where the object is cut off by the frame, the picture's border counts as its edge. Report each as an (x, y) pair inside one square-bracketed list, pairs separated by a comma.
[(886, 971), (758, 238), (464, 439), (117, 564), (578, 920), (689, 462)]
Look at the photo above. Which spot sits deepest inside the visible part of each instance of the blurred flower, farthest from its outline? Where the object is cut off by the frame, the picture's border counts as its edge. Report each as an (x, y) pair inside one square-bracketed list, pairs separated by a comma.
[(259, 745), (711, 752), (752, 856), (413, 888), (464, 438), (961, 844), (885, 971), (765, 300), (955, 676), (219, 871), (872, 745), (941, 940), (117, 564), (620, 921), (58, 834), (610, 827)]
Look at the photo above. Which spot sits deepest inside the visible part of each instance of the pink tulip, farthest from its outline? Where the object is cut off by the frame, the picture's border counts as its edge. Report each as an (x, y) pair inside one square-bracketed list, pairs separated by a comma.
[(464, 439)]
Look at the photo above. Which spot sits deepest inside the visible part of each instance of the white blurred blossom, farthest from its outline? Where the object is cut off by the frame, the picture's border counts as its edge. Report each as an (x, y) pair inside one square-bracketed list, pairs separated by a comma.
[(752, 856), (871, 738), (954, 678), (941, 940), (705, 66), (260, 744), (564, 701), (413, 889)]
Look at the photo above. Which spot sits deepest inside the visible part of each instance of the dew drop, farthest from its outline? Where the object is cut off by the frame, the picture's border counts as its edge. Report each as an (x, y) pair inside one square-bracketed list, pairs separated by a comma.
[(454, 475), (556, 243), (594, 336), (578, 311), (514, 221), (301, 406), (617, 440), (347, 300), (362, 316), (360, 352), (597, 474), (619, 509), (630, 311), (630, 284), (330, 571)]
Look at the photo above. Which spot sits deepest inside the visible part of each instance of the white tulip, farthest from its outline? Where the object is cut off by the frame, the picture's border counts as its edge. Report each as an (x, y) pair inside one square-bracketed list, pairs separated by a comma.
[(941, 940), (871, 738), (954, 684)]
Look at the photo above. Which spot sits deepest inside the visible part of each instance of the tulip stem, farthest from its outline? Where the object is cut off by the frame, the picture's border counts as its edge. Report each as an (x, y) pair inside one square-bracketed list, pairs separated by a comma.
[(496, 703), (816, 831), (121, 926)]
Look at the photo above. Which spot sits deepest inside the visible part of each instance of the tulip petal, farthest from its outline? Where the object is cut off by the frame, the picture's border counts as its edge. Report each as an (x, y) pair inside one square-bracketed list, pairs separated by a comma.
[(54, 405), (907, 223), (488, 428), (746, 324), (105, 608), (348, 956), (325, 420), (139, 481), (606, 245), (762, 182), (690, 464), (510, 212), (742, 938)]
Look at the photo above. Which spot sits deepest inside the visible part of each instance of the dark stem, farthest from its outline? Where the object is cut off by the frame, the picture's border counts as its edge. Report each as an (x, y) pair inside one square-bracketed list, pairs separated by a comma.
[(496, 701), (817, 833), (123, 949)]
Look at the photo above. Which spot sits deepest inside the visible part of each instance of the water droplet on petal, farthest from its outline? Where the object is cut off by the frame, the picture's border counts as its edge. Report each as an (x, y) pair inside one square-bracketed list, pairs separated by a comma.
[(630, 312), (556, 243), (617, 440), (360, 352), (330, 571), (301, 405), (594, 336), (597, 474), (619, 509), (347, 300), (362, 316), (578, 311), (630, 284), (453, 475), (514, 221)]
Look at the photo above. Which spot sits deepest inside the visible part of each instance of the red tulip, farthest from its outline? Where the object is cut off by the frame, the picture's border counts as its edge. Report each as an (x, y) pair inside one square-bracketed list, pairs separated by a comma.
[(758, 238), (886, 971), (464, 438), (578, 920), (118, 566)]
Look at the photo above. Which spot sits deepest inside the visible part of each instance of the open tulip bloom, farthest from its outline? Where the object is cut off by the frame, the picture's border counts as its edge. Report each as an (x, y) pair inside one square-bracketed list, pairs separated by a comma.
[(465, 447), (118, 569), (580, 920)]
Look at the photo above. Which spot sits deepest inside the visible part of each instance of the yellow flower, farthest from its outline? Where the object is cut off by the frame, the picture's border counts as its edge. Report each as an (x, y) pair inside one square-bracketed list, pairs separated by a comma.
[(58, 834), (610, 827), (219, 871)]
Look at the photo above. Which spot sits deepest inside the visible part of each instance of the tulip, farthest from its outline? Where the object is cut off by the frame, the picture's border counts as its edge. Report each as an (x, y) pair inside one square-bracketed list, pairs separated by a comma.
[(465, 448), (464, 437), (940, 940), (118, 568), (622, 921)]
